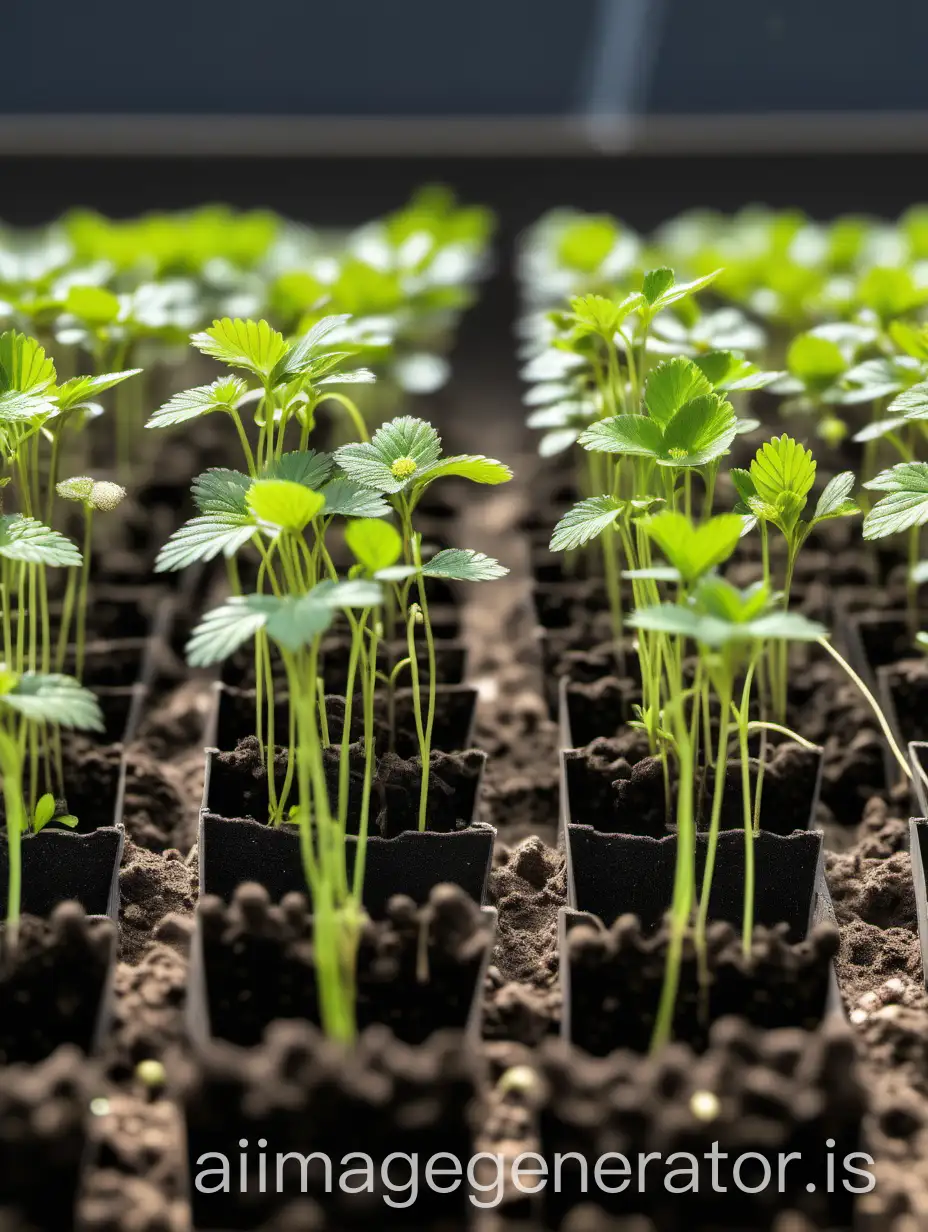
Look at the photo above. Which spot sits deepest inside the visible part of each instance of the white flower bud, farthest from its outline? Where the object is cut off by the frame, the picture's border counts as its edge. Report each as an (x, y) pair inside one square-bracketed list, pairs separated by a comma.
[(79, 488), (106, 496)]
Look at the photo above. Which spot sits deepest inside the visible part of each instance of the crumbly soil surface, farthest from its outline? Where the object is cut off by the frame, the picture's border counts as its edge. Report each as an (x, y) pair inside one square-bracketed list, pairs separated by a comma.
[(136, 1183)]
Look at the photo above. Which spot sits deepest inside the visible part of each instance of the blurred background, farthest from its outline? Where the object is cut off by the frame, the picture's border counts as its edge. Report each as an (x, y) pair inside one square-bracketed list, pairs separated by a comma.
[(333, 113)]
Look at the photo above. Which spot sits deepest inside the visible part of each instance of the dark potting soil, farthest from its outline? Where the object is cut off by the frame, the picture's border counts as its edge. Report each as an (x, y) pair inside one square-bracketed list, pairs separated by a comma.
[(301, 1092), (43, 1116), (238, 787), (454, 714), (614, 788), (907, 682), (418, 968), (616, 977), (53, 983), (750, 1091)]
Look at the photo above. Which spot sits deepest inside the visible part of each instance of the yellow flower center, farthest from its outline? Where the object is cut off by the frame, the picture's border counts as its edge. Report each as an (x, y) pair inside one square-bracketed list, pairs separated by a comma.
[(402, 468)]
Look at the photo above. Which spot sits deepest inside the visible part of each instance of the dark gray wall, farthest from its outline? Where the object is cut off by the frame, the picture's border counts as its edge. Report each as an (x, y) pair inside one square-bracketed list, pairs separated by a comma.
[(479, 57)]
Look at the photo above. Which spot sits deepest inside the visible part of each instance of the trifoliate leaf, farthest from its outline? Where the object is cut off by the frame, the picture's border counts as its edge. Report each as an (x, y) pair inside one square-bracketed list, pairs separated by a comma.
[(221, 491), (906, 504), (56, 699), (81, 390), (205, 538), (693, 550), (463, 565), (836, 500), (474, 467), (221, 395), (27, 540), (24, 366), (670, 385), (350, 500), (373, 543), (252, 345), (391, 460), (587, 520), (284, 503)]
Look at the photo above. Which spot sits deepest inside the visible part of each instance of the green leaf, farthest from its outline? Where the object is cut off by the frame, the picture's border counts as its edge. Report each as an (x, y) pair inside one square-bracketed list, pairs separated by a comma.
[(223, 630), (905, 506), (373, 543), (656, 282), (587, 520), (284, 503), (836, 500), (666, 618), (627, 434), (26, 539), (205, 538), (300, 356), (304, 466), (94, 305), (690, 549), (670, 385), (252, 345), (727, 372), (597, 315), (585, 243), (219, 490), (391, 460), (702, 430), (463, 565), (912, 403), (474, 467), (396, 573), (788, 627), (20, 408), (682, 290), (816, 361), (348, 499), (81, 390), (24, 366), (222, 395), (783, 466), (879, 428), (54, 699), (43, 813), (910, 339)]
